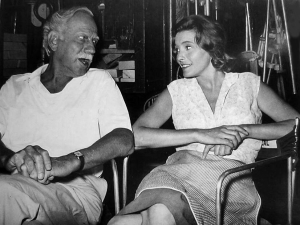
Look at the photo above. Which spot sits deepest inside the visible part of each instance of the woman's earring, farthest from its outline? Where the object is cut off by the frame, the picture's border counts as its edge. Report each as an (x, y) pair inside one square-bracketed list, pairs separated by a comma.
[(213, 61)]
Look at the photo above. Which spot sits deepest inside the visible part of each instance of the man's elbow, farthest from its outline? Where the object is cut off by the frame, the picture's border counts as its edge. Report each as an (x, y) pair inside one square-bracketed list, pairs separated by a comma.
[(126, 140)]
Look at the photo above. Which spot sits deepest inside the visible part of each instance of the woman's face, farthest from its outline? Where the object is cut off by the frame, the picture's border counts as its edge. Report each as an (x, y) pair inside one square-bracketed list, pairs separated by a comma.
[(190, 56)]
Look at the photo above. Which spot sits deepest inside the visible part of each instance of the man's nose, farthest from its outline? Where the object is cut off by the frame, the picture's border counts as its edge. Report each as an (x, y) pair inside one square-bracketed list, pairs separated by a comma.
[(90, 48)]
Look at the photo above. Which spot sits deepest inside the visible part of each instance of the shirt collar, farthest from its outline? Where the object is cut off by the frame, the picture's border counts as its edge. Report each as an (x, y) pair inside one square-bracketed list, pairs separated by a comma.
[(31, 76)]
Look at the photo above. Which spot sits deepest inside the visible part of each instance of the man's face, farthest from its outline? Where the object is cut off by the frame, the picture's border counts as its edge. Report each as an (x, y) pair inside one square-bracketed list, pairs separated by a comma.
[(76, 45)]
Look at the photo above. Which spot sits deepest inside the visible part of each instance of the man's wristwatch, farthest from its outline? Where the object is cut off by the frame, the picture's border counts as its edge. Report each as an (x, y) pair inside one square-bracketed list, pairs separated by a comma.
[(79, 156)]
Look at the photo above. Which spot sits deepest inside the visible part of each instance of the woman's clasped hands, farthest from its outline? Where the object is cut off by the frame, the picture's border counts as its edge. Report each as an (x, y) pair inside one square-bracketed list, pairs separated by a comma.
[(224, 139)]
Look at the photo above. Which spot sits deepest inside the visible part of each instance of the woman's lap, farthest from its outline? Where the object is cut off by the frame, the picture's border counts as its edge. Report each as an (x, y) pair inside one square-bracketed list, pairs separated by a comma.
[(193, 180)]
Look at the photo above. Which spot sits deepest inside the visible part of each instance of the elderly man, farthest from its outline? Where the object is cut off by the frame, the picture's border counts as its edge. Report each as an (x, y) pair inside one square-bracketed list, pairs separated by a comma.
[(58, 126)]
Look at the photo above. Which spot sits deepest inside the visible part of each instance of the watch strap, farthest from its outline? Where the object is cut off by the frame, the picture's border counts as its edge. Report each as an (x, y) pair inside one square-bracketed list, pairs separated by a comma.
[(80, 157)]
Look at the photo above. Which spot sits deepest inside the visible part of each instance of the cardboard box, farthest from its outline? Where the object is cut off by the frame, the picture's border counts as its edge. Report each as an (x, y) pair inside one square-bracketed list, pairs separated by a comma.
[(113, 73), (127, 80), (128, 74), (117, 79), (127, 65), (111, 57)]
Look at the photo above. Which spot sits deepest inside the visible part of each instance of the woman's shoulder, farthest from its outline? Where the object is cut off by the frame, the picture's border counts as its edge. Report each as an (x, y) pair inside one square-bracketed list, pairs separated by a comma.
[(244, 77), (181, 82), (246, 82)]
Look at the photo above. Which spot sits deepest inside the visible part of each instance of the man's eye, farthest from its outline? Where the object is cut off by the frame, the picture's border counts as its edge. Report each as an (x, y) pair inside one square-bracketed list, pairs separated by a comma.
[(95, 41), (82, 38)]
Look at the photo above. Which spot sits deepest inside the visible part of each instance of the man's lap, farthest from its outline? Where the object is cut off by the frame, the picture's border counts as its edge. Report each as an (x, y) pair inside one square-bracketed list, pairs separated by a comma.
[(74, 202)]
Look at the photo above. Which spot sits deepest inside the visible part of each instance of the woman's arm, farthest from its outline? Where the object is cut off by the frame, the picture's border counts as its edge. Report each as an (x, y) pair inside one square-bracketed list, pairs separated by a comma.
[(148, 134), (277, 109)]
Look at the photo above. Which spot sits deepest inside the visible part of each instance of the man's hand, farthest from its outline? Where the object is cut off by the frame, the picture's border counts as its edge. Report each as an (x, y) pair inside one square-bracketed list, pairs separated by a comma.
[(33, 162)]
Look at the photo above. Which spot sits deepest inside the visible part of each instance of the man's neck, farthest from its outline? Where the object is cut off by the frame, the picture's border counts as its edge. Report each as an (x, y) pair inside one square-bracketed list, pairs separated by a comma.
[(53, 81)]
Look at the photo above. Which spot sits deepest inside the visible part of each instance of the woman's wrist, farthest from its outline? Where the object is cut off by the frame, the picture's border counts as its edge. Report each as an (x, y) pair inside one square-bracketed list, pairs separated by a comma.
[(248, 128), (196, 136)]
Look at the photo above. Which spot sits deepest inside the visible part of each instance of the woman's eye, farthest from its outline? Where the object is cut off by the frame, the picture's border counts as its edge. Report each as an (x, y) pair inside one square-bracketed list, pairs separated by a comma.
[(176, 50), (188, 47)]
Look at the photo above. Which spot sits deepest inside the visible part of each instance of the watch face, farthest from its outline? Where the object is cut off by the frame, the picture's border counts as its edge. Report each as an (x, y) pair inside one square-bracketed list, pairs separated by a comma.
[(78, 154)]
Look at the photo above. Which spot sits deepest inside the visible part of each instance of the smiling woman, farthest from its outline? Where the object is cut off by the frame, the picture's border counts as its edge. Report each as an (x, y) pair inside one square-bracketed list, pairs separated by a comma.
[(217, 119)]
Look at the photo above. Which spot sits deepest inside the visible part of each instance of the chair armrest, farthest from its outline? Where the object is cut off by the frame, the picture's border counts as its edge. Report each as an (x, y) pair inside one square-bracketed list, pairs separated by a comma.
[(221, 178), (288, 149)]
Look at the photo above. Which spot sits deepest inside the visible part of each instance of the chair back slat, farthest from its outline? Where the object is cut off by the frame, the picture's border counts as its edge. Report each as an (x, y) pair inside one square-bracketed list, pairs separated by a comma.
[(149, 102)]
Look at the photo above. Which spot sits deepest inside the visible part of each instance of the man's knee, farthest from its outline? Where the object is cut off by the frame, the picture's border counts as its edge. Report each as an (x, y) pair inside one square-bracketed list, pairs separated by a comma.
[(131, 219), (6, 182), (115, 221)]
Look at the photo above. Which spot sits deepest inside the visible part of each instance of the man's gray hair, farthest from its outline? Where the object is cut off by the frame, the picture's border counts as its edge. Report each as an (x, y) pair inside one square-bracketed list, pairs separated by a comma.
[(58, 21)]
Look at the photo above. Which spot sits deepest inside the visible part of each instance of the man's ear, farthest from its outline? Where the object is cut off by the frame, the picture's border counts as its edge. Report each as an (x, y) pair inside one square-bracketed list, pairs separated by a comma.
[(53, 40)]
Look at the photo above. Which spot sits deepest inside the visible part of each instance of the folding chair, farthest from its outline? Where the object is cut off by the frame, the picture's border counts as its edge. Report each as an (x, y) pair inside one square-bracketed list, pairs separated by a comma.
[(149, 102), (117, 186), (146, 105), (288, 149)]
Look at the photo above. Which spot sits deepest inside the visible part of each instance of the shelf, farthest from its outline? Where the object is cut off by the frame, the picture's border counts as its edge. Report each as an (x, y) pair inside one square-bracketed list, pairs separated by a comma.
[(115, 51)]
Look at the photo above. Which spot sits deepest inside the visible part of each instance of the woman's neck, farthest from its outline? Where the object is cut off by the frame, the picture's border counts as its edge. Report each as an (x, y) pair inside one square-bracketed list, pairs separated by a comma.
[(211, 80)]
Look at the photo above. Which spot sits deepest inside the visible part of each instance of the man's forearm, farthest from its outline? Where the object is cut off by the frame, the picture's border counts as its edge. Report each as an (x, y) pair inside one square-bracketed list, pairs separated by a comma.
[(117, 143)]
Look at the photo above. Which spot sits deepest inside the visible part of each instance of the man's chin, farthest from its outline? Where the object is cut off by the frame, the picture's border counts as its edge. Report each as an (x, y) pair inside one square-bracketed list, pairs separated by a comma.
[(80, 73), (83, 70)]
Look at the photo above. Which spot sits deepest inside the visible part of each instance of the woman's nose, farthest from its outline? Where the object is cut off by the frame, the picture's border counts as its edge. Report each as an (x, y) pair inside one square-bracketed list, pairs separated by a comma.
[(180, 56)]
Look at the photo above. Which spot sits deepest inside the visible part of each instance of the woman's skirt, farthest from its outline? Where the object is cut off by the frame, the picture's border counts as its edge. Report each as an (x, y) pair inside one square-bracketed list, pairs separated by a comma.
[(194, 180)]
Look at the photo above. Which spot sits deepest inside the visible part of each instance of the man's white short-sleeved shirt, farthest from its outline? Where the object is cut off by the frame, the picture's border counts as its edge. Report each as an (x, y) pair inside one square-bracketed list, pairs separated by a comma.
[(87, 108)]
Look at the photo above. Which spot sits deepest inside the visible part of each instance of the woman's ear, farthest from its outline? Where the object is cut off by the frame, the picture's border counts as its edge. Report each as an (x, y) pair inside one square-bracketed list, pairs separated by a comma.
[(53, 40)]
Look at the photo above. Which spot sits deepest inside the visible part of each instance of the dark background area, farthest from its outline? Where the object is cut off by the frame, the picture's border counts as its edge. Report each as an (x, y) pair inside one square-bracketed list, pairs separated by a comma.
[(149, 24)]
